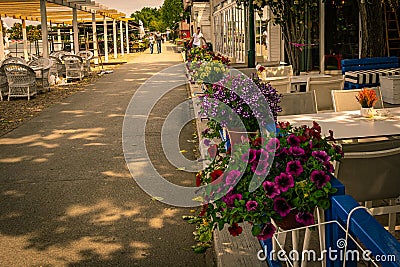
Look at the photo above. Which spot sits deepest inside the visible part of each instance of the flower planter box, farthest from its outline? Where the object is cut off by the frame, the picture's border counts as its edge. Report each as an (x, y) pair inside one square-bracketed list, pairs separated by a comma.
[(390, 87)]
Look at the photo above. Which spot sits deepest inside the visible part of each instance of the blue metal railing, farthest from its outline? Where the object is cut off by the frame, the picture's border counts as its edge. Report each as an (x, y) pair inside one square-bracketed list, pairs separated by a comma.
[(363, 226)]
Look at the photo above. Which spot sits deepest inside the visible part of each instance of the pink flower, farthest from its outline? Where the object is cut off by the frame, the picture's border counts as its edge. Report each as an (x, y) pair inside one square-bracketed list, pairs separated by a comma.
[(251, 205), (294, 168), (271, 190), (281, 206), (267, 232), (320, 178), (284, 182)]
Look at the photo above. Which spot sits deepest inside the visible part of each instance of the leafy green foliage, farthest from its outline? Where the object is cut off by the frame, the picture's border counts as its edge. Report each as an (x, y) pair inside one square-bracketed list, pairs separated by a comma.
[(151, 18)]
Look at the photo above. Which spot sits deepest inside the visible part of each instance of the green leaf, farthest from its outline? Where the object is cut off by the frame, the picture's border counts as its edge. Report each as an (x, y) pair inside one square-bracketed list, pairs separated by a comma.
[(256, 230), (318, 194), (324, 204), (205, 237)]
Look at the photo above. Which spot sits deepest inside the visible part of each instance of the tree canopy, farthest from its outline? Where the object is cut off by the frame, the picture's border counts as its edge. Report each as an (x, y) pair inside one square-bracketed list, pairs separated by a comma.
[(159, 19)]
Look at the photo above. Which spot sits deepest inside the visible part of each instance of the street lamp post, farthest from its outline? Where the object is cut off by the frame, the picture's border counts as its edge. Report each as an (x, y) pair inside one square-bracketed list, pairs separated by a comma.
[(251, 62)]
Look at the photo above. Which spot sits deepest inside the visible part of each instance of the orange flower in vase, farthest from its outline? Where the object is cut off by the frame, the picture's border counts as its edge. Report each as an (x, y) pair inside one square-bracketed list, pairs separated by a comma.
[(367, 98)]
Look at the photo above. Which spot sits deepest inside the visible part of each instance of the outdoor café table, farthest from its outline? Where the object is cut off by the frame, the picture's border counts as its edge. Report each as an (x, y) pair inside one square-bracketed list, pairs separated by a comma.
[(350, 124)]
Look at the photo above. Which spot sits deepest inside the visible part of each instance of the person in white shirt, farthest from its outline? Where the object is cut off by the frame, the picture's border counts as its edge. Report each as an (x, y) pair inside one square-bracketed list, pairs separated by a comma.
[(151, 43), (196, 38)]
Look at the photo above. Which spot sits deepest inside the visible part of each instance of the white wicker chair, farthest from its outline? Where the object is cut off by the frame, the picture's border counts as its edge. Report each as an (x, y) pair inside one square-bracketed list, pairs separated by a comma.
[(14, 60), (73, 67), (42, 69), (21, 80), (86, 56), (57, 68)]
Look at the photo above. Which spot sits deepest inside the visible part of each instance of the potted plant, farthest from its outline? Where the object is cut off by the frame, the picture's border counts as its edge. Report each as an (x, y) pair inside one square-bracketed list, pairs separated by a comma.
[(293, 167), (240, 105), (367, 98)]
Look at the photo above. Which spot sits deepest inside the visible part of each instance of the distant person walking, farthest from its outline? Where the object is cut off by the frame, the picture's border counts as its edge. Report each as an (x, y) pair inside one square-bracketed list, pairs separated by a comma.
[(196, 38), (151, 43), (159, 40)]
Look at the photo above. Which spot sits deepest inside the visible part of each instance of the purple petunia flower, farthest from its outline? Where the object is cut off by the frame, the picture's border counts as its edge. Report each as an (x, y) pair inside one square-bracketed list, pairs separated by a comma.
[(230, 198), (207, 142), (260, 168), (271, 189), (273, 145), (249, 156), (267, 232), (281, 206), (305, 218), (263, 155), (321, 155), (284, 181), (251, 205), (296, 151), (294, 167), (329, 167), (293, 140), (320, 178), (232, 177)]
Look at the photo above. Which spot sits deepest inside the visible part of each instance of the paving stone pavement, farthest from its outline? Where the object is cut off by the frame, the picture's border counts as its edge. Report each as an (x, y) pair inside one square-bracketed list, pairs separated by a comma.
[(67, 197)]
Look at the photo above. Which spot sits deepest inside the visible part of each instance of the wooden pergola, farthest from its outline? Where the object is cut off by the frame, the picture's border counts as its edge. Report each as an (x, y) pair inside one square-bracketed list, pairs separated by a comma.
[(64, 12)]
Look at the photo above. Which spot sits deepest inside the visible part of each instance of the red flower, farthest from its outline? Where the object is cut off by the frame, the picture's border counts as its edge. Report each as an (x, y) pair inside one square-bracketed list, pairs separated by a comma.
[(213, 150), (198, 179), (203, 211), (216, 174), (235, 229)]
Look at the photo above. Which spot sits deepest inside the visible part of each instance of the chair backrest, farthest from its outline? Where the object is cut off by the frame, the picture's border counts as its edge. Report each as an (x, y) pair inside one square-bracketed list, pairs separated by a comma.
[(71, 59), (278, 71), (18, 73), (87, 55), (14, 60), (298, 103), (323, 87), (370, 171), (281, 84), (345, 100), (42, 62)]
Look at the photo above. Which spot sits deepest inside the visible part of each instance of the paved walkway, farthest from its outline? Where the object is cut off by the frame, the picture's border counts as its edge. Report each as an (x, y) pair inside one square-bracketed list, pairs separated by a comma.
[(67, 197)]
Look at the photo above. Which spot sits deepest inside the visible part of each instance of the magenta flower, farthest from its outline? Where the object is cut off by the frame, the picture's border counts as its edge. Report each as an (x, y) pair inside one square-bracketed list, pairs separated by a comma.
[(284, 182), (281, 206), (249, 156), (267, 232), (293, 140), (329, 167), (321, 155), (294, 168), (260, 168), (296, 151), (273, 145), (230, 198), (251, 205), (263, 155), (232, 177), (305, 218), (320, 178), (271, 190), (207, 142)]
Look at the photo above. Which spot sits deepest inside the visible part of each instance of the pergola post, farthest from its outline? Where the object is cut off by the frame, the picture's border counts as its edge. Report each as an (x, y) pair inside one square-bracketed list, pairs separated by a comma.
[(127, 36), (95, 44), (43, 20), (121, 34), (105, 40), (59, 45), (115, 38), (2, 56), (75, 29), (25, 40)]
